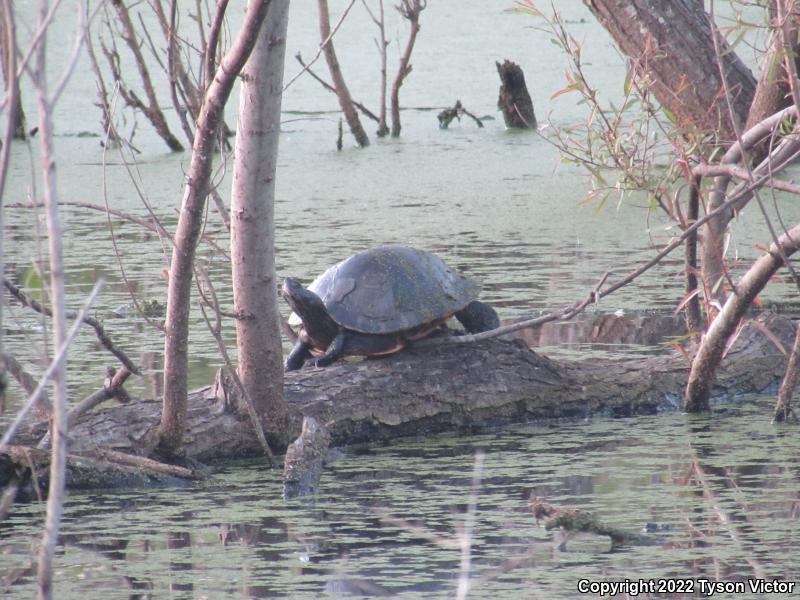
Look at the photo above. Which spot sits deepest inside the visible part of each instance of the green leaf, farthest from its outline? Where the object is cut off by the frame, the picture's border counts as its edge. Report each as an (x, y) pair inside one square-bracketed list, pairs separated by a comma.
[(30, 280), (628, 83), (732, 45)]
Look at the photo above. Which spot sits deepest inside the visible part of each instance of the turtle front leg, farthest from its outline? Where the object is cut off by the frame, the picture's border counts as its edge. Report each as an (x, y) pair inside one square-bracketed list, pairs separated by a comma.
[(353, 343), (298, 356), (335, 350)]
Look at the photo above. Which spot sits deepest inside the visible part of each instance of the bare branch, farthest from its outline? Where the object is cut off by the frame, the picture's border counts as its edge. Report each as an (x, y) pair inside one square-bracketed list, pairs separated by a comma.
[(732, 171), (83, 33), (322, 46), (598, 292), (26, 381), (216, 333), (210, 57), (102, 337), (152, 110), (367, 113), (786, 10), (51, 369)]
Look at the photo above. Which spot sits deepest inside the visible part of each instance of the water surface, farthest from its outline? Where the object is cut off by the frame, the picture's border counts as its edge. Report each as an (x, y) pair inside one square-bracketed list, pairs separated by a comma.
[(719, 493), (720, 490)]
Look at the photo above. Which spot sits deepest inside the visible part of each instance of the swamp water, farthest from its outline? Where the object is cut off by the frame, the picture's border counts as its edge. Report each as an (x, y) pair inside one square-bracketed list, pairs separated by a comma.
[(721, 491)]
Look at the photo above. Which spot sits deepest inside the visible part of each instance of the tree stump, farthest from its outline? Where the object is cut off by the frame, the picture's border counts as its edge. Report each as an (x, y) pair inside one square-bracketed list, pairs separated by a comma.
[(514, 99)]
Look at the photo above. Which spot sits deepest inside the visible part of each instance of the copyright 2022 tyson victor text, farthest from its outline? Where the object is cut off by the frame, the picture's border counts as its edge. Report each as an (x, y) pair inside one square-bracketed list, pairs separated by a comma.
[(703, 587)]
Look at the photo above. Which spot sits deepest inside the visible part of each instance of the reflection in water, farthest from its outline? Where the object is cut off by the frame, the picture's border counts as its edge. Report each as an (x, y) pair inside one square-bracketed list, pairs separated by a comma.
[(620, 333), (719, 495), (720, 492)]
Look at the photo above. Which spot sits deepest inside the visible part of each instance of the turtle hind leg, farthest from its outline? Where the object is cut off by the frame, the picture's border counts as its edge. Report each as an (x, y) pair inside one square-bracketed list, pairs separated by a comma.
[(298, 356), (353, 343), (477, 317)]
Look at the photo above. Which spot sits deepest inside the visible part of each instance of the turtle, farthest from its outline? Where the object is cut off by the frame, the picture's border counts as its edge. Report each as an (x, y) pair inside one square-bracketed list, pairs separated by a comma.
[(376, 301)]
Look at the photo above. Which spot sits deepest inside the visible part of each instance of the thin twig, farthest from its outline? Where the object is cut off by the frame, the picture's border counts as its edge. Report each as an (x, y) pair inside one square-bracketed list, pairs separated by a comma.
[(113, 237), (785, 13), (140, 462), (83, 32), (216, 332), (597, 293), (25, 380), (112, 388), (173, 84), (12, 96), (324, 43), (59, 356), (745, 175), (367, 112), (102, 337)]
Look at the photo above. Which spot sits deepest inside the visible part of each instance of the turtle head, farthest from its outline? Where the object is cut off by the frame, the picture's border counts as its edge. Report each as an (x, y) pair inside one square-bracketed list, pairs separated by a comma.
[(318, 324), (301, 300)]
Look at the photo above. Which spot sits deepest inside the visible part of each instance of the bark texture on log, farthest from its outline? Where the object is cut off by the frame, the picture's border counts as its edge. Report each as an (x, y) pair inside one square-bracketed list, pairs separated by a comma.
[(671, 41), (441, 388)]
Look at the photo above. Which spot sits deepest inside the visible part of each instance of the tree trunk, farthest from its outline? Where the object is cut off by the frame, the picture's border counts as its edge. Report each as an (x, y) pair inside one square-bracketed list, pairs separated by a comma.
[(410, 9), (342, 93), (176, 344), (672, 43), (712, 261), (712, 347), (253, 224), (57, 287), (773, 92), (424, 390), (8, 56), (8, 50), (783, 408), (383, 129), (692, 311)]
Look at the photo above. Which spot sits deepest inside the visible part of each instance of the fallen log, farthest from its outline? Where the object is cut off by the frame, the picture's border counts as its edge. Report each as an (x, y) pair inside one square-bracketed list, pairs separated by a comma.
[(438, 388)]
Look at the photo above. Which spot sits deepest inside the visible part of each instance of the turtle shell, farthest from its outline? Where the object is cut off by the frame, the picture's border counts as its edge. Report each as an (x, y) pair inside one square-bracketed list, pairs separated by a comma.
[(389, 289)]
